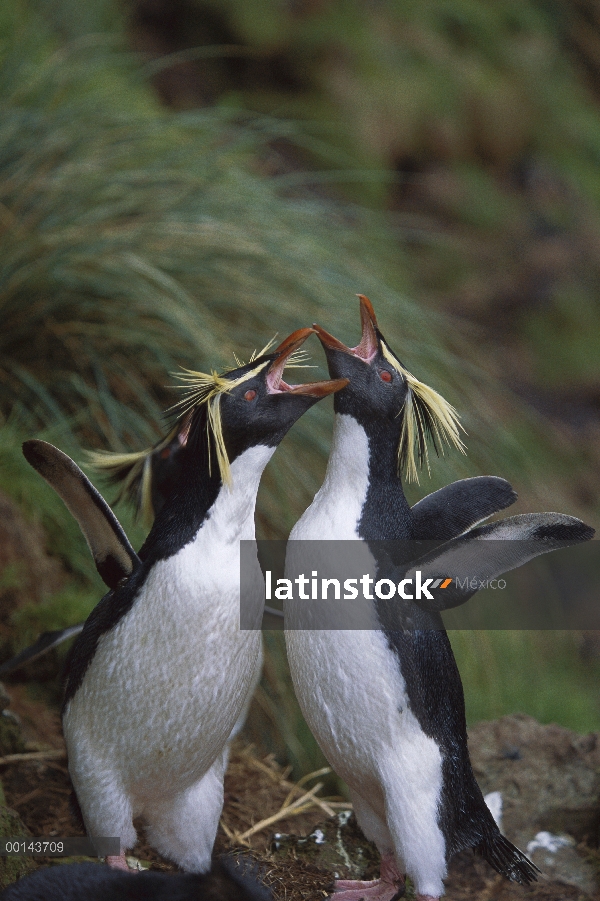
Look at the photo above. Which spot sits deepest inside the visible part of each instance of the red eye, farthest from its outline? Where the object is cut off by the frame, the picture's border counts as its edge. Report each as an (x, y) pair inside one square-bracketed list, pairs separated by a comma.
[(385, 376), (250, 394)]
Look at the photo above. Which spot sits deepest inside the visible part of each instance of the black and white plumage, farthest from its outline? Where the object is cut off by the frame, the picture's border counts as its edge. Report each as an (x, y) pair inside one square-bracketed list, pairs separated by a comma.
[(146, 478), (227, 881), (113, 555), (387, 705), (161, 671)]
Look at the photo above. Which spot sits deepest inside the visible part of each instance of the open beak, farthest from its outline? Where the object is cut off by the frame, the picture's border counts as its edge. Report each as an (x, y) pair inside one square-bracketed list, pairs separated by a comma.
[(275, 383), (368, 346)]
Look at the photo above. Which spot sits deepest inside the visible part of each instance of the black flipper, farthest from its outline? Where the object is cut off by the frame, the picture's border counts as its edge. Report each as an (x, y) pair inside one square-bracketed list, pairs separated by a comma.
[(452, 510), (44, 643), (490, 551), (114, 556)]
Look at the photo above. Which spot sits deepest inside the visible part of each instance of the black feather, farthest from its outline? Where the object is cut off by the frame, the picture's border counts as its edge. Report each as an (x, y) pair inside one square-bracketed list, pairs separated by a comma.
[(507, 860)]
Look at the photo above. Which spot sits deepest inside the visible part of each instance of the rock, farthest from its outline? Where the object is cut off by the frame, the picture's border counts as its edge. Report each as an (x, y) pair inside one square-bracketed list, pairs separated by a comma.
[(557, 858), (549, 779), (337, 846)]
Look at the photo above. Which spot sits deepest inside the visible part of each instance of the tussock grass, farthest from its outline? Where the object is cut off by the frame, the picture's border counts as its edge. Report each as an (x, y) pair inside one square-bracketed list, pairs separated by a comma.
[(133, 242), (540, 673)]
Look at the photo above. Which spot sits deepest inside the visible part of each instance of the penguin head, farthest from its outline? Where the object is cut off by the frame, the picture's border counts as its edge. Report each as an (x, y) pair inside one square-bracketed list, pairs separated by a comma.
[(258, 407), (224, 413), (381, 390), (377, 388), (146, 478), (248, 406)]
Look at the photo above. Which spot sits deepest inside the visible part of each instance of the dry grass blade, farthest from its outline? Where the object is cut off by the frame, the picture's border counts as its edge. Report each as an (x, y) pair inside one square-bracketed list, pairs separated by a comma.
[(296, 807), (33, 755), (230, 835), (324, 771)]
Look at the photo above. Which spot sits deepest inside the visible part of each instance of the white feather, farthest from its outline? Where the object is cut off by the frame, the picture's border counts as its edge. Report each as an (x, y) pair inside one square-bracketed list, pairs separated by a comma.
[(147, 730), (352, 693)]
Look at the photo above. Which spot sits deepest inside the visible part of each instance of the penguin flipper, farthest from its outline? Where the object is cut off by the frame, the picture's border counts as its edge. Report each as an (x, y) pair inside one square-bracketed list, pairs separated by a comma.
[(487, 552), (45, 642), (113, 555), (452, 510)]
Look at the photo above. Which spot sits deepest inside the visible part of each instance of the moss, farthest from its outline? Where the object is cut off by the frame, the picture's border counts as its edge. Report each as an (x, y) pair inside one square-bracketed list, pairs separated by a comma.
[(337, 846), (11, 739), (12, 868)]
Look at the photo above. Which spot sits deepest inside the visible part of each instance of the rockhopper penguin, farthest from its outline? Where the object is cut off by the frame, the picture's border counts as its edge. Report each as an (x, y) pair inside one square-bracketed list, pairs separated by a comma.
[(161, 671), (145, 477), (387, 705)]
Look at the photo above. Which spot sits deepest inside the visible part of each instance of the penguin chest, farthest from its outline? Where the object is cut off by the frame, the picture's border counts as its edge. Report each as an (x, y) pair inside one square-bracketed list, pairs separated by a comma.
[(336, 509), (354, 699), (167, 684)]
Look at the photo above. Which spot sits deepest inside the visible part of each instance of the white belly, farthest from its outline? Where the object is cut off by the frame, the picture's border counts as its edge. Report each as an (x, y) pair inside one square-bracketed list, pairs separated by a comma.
[(167, 685), (164, 689), (350, 686), (353, 697)]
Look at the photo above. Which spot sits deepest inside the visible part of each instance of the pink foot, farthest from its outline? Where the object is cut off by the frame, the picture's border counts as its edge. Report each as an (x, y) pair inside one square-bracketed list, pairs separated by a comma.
[(119, 863), (390, 887), (371, 891)]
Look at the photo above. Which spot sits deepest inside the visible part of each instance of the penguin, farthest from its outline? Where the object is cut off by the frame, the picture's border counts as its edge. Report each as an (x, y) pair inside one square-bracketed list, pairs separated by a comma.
[(161, 671), (147, 474), (227, 881), (386, 705), (146, 478)]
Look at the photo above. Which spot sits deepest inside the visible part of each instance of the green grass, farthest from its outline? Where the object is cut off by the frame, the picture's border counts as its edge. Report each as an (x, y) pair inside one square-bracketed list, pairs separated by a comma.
[(543, 674), (134, 241)]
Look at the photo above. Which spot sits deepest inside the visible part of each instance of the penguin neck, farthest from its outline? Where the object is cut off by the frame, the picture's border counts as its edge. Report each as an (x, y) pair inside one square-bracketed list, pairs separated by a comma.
[(348, 458), (361, 483), (232, 512), (201, 498), (386, 513)]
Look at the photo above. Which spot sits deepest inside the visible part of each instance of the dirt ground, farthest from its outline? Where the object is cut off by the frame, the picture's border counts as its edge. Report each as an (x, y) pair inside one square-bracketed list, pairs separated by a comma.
[(263, 815)]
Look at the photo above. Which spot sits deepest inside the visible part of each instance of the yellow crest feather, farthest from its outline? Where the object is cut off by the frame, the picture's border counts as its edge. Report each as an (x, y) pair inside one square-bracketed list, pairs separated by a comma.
[(205, 388), (426, 414), (133, 473)]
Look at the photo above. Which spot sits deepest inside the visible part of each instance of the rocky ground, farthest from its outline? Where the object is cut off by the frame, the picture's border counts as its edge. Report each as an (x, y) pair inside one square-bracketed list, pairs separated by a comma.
[(548, 779)]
